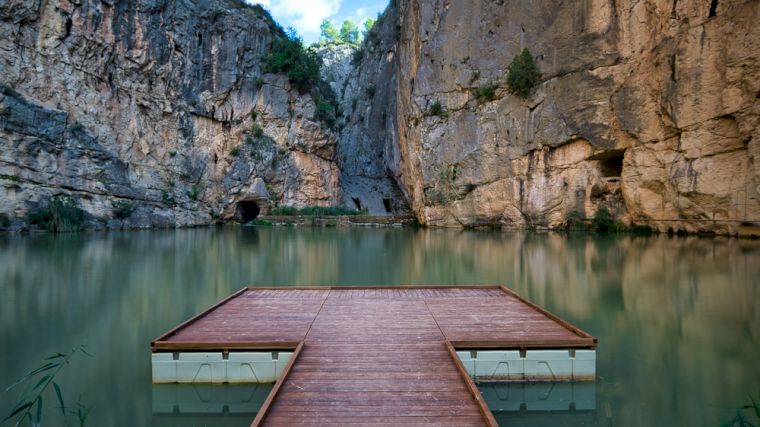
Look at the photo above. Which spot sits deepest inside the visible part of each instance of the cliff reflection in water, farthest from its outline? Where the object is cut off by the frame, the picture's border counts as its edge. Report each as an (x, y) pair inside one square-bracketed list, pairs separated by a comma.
[(677, 318)]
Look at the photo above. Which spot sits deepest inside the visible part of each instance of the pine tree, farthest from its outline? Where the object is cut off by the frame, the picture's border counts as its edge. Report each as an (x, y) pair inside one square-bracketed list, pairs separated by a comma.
[(349, 32), (368, 24), (328, 32)]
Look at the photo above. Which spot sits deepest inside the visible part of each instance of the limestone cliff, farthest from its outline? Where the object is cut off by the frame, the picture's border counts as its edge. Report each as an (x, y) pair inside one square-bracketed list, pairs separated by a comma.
[(649, 107), (151, 103)]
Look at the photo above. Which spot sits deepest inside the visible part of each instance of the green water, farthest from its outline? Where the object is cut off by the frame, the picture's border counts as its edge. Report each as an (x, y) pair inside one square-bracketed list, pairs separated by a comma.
[(678, 319)]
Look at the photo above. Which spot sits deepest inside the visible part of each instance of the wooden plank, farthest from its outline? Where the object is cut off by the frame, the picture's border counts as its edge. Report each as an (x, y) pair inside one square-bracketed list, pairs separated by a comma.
[(482, 406), (557, 319), (266, 406), (348, 336), (222, 346), (308, 419), (192, 320)]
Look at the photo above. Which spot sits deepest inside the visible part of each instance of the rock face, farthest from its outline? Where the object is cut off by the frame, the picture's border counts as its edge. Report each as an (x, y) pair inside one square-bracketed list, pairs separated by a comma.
[(649, 108), (152, 103), (367, 149)]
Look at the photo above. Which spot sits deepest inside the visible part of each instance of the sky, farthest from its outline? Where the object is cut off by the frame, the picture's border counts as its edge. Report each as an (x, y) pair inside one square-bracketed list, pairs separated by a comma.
[(306, 15)]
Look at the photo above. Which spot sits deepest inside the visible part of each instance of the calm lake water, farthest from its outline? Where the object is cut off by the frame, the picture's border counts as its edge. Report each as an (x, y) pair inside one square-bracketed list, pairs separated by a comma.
[(678, 319)]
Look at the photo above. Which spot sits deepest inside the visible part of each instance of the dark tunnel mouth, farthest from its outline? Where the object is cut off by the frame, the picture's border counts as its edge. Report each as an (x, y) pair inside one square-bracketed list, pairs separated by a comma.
[(248, 210)]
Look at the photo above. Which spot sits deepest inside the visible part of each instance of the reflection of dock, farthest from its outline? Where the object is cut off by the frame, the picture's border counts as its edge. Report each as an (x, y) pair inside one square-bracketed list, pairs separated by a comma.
[(209, 399), (203, 405), (539, 403), (539, 396), (372, 355)]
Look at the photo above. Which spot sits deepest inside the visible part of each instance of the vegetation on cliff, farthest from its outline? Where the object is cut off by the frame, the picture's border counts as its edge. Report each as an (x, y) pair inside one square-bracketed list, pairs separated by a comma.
[(603, 222), (59, 215), (523, 74), (302, 65), (314, 211), (347, 34), (288, 55), (436, 109)]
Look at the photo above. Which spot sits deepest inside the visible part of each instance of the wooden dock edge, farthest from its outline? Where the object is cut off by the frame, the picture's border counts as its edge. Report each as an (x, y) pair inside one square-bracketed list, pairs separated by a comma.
[(194, 319), (567, 325), (472, 387), (359, 288), (195, 346), (267, 405)]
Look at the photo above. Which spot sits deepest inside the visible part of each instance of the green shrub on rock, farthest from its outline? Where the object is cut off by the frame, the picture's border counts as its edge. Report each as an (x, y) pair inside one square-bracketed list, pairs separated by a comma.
[(486, 93), (602, 220), (288, 55), (574, 222), (436, 109), (194, 192), (59, 215), (122, 209), (523, 74)]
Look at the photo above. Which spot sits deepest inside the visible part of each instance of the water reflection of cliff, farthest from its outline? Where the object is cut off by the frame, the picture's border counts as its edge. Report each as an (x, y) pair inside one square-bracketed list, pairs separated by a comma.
[(677, 319)]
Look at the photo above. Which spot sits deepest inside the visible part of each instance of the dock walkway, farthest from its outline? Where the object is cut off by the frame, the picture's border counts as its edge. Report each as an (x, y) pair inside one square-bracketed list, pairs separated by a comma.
[(374, 356)]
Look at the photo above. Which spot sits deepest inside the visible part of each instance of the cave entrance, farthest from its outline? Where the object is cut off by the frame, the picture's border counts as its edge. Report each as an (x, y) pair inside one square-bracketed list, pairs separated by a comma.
[(610, 163), (388, 205), (612, 167), (248, 210), (357, 203)]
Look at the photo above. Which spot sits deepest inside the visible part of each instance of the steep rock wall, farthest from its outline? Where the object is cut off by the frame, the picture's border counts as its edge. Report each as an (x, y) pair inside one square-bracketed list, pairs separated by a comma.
[(150, 102), (649, 108), (367, 148)]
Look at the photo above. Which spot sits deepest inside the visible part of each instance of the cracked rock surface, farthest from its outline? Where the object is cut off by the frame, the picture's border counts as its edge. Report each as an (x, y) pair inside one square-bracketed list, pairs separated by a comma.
[(650, 108), (149, 102)]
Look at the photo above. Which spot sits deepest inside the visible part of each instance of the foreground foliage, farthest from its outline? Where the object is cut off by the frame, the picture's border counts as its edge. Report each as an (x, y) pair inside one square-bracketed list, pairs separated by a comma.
[(38, 382)]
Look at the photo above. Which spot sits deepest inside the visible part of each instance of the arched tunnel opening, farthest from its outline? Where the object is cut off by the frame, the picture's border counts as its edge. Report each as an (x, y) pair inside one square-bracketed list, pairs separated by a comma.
[(247, 210)]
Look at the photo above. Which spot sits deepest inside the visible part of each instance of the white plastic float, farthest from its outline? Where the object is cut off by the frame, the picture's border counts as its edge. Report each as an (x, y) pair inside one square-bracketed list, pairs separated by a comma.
[(215, 368), (531, 365)]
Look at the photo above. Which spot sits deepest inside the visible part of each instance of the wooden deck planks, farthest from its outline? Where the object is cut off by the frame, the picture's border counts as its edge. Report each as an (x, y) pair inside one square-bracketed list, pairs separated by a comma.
[(374, 356), (350, 325), (253, 316)]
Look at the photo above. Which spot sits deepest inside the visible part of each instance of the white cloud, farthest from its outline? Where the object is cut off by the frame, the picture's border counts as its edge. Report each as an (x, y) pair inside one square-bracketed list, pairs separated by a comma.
[(305, 16), (362, 13)]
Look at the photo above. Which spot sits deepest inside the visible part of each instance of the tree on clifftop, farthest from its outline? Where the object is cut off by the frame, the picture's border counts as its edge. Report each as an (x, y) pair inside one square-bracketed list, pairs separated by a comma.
[(349, 32), (368, 24), (328, 33)]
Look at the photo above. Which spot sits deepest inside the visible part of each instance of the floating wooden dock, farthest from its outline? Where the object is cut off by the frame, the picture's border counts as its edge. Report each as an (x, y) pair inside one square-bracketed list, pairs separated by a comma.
[(381, 355)]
